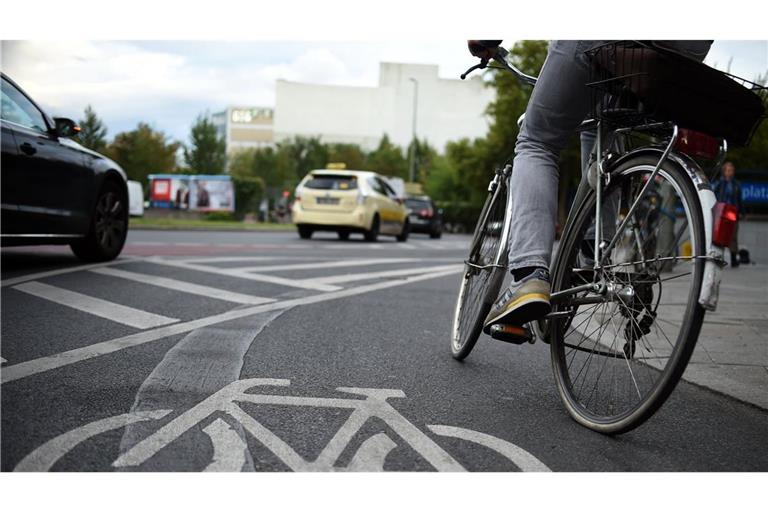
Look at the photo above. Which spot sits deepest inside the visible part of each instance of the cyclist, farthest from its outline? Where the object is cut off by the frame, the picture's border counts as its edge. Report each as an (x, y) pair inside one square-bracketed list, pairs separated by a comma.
[(560, 101)]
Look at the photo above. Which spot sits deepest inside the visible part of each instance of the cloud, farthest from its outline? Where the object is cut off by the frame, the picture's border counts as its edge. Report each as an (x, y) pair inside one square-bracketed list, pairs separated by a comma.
[(168, 83)]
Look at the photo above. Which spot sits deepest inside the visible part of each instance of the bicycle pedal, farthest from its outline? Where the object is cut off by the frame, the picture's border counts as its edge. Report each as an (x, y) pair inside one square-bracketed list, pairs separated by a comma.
[(511, 334)]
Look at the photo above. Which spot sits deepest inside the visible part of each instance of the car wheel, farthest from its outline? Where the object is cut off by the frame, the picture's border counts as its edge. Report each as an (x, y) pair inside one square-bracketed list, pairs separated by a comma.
[(305, 232), (373, 234), (343, 235), (109, 226), (403, 236), (437, 233)]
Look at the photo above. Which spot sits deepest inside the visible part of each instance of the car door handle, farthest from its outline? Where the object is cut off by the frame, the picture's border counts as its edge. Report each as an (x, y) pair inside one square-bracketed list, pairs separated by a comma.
[(28, 148)]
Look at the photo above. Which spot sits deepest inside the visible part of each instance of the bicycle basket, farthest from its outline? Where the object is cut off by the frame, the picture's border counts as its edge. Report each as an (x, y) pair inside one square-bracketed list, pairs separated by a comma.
[(634, 82)]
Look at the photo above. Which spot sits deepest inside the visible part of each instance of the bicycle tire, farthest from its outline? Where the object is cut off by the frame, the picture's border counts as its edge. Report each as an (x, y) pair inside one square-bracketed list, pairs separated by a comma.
[(690, 325), (468, 320)]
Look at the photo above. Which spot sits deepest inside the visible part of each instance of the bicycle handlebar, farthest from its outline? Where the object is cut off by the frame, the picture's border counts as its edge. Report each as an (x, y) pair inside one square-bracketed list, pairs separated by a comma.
[(502, 58)]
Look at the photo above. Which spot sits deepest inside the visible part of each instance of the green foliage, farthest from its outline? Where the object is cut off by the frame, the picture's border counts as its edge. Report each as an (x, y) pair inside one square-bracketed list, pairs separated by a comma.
[(143, 151), (424, 156), (206, 153), (388, 159), (219, 216), (249, 191), (754, 156), (295, 158), (349, 154), (93, 133)]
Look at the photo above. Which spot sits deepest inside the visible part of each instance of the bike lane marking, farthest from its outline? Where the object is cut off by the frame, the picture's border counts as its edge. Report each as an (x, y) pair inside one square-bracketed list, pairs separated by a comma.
[(94, 306), (522, 459), (200, 364), (44, 457), (46, 363), (229, 449)]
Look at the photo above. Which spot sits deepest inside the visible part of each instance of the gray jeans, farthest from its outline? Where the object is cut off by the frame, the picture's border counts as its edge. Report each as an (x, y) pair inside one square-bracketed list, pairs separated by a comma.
[(559, 103)]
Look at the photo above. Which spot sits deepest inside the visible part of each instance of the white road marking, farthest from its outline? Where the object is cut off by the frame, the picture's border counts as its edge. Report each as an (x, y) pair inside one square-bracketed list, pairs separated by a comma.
[(406, 246), (42, 364), (292, 283), (372, 453), (203, 362), (346, 278), (183, 286), (98, 307), (40, 275), (326, 264), (522, 459), (45, 456), (229, 449), (228, 259), (373, 404)]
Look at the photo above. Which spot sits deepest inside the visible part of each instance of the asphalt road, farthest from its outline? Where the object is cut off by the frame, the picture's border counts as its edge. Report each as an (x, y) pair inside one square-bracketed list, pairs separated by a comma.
[(224, 351)]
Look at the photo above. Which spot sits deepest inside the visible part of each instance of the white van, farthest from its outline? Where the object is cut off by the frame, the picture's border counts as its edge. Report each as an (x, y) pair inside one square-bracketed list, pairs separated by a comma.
[(135, 199)]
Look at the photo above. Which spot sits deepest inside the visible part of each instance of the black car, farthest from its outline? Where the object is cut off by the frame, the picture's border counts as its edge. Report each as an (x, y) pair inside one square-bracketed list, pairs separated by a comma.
[(55, 191), (424, 216)]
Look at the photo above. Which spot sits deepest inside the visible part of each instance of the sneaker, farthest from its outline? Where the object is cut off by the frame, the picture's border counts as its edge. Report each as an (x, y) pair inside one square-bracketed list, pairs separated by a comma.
[(522, 302)]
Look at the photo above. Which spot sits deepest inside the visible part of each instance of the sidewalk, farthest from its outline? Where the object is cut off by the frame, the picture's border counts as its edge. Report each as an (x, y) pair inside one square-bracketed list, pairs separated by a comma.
[(731, 356)]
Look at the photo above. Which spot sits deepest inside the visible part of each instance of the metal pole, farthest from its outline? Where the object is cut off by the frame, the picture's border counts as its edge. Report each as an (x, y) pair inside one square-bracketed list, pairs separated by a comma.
[(412, 170)]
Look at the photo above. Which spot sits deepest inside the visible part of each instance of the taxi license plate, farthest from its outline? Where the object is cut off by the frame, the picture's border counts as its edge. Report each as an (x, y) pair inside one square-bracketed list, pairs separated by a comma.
[(327, 200)]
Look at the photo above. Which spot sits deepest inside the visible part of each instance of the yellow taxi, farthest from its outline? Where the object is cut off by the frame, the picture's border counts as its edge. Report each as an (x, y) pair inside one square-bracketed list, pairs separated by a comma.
[(347, 201)]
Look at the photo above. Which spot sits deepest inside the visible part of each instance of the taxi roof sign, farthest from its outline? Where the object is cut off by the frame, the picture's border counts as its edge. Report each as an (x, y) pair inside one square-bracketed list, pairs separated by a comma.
[(336, 165)]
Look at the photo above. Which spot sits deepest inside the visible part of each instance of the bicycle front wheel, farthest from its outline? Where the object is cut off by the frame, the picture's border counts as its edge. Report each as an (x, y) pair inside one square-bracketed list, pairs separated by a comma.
[(483, 274), (618, 353)]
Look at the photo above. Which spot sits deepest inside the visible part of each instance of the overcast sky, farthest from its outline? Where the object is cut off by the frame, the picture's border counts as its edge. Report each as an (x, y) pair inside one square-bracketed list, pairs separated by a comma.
[(168, 83)]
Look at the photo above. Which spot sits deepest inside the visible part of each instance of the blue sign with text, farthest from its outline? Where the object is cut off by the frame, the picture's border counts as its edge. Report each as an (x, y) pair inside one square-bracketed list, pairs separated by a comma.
[(753, 192)]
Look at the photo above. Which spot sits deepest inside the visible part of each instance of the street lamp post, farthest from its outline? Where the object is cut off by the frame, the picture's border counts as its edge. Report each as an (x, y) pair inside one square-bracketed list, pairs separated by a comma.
[(412, 170)]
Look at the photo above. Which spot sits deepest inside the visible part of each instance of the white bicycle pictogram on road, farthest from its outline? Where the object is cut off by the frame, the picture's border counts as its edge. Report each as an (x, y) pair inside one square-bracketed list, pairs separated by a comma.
[(230, 449)]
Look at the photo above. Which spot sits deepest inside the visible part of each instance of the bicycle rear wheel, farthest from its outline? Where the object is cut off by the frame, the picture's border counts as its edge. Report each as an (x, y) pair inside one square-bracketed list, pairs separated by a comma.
[(618, 354), (483, 273)]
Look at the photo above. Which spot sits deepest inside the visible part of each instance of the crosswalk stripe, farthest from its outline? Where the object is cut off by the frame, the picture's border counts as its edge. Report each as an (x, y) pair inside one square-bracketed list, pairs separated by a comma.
[(345, 278), (183, 286), (232, 259), (293, 283), (326, 264), (115, 312)]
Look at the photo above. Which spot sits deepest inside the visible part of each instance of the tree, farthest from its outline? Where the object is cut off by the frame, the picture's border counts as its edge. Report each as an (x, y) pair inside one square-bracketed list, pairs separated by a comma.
[(207, 152), (351, 155), (93, 133), (388, 159), (295, 157), (424, 156), (143, 151)]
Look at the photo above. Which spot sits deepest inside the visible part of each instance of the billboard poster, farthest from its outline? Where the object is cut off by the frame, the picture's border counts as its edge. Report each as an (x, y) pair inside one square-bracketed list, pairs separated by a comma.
[(208, 195)]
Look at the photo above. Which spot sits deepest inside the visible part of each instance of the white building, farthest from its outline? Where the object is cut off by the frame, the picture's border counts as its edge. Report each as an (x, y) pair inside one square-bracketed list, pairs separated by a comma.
[(447, 109), (244, 127)]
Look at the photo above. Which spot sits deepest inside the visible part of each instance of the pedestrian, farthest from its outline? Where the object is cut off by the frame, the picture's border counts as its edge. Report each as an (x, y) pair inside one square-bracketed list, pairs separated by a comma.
[(728, 190)]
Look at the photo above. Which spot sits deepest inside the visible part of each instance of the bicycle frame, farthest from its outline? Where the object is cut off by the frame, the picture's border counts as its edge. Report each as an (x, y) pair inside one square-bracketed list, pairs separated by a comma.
[(714, 255)]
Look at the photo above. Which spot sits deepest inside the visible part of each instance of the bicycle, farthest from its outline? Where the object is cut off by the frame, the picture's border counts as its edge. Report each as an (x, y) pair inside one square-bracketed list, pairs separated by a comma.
[(639, 259)]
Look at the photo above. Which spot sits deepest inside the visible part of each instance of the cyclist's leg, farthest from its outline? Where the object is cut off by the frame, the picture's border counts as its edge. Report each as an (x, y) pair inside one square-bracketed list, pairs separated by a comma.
[(559, 103)]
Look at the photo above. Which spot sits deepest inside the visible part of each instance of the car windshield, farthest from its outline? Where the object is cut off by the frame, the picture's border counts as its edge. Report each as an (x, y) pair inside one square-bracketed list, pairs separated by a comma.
[(332, 182), (417, 204)]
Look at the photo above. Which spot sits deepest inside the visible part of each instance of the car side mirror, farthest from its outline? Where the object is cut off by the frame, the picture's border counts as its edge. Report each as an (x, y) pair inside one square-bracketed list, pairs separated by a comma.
[(65, 127)]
